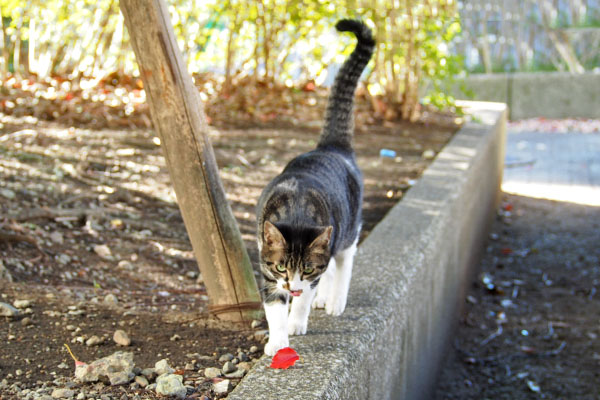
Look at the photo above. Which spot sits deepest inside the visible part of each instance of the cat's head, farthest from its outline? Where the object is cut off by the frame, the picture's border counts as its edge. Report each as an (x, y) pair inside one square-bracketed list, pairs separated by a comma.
[(295, 258)]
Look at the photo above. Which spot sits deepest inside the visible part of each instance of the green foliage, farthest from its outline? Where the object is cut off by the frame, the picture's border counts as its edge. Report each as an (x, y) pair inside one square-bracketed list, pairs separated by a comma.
[(283, 41)]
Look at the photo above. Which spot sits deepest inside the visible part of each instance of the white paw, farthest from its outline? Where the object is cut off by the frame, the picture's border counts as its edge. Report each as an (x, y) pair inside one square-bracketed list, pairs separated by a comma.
[(335, 306), (319, 302), (297, 327), (276, 344)]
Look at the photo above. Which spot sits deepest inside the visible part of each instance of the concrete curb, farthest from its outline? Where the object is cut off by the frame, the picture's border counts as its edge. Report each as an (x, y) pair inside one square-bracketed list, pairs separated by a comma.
[(539, 94), (409, 280)]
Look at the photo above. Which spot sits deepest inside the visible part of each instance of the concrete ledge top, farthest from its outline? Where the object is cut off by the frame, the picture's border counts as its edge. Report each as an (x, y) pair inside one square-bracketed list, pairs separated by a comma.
[(382, 342)]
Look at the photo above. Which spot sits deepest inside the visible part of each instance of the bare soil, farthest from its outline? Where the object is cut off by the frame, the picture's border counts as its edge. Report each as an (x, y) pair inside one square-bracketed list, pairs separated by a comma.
[(530, 328), (86, 213)]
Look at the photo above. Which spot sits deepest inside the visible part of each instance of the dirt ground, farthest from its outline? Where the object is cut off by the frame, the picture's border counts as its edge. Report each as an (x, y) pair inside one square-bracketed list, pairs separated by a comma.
[(91, 236), (530, 328)]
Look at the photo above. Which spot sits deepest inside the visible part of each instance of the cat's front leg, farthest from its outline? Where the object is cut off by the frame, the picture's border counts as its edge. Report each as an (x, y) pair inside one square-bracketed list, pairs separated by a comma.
[(325, 285), (277, 318), (298, 319), (336, 303)]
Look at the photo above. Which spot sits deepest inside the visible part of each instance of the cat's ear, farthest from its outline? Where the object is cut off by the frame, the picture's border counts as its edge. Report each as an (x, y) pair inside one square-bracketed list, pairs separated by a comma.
[(322, 241), (272, 236)]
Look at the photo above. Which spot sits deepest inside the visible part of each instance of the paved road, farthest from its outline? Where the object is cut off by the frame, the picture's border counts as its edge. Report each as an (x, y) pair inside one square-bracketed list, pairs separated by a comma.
[(557, 166)]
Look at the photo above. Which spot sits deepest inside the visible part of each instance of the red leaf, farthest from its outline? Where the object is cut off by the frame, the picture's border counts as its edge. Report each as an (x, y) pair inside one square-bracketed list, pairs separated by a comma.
[(508, 207), (284, 358)]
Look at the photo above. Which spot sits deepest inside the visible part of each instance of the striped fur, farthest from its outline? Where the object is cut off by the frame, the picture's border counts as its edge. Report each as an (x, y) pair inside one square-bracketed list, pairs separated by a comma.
[(311, 212)]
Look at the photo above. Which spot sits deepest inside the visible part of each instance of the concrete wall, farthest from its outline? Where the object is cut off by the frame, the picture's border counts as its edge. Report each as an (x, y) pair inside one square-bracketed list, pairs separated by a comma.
[(540, 94), (409, 279)]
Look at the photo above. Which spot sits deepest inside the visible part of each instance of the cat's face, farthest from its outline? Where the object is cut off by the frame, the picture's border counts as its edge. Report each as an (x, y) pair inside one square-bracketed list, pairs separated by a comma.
[(294, 260)]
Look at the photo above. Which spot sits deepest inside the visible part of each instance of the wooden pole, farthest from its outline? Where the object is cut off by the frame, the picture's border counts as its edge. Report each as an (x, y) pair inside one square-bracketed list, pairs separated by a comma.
[(178, 117)]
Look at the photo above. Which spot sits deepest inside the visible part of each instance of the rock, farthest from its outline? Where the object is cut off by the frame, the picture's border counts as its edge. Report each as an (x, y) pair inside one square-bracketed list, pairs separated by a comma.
[(149, 373), (6, 310), (162, 367), (428, 154), (229, 367), (244, 365), (9, 194), (126, 265), (222, 387), (212, 372), (236, 374), (121, 338), (94, 341), (114, 367), (253, 349), (171, 385), (57, 237), (121, 378), (62, 393), (26, 321), (22, 303), (141, 380), (110, 300), (226, 357), (189, 366), (255, 324), (242, 356), (260, 335), (175, 338), (103, 251)]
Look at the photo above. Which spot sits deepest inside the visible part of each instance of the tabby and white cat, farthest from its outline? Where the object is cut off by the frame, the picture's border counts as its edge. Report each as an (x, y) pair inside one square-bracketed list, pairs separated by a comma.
[(309, 216)]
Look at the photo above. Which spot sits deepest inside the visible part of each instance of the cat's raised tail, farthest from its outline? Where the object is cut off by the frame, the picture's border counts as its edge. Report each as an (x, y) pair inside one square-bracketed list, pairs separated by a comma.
[(339, 121)]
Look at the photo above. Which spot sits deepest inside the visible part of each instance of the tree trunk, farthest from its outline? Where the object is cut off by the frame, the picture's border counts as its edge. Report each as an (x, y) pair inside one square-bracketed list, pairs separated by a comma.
[(179, 119)]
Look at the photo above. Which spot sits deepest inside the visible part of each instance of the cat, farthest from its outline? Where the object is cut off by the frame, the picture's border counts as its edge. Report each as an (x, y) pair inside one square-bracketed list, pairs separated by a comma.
[(309, 217)]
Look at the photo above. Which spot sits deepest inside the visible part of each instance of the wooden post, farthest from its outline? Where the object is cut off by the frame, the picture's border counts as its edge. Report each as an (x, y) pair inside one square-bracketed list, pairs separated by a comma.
[(178, 117)]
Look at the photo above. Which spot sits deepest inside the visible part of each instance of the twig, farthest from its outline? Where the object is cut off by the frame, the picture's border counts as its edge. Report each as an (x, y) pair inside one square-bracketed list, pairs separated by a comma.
[(15, 238), (492, 336)]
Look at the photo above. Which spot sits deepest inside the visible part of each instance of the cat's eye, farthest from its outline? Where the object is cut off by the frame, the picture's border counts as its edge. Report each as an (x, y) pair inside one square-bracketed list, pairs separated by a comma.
[(280, 268), (308, 270)]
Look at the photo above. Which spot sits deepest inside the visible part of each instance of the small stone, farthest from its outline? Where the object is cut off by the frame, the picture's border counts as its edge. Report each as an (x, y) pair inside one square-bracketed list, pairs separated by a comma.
[(94, 341), (149, 373), (57, 237), (253, 349), (241, 356), (171, 385), (226, 357), (103, 251), (428, 154), (110, 300), (163, 367), (63, 365), (212, 372), (126, 265), (121, 378), (255, 324), (229, 367), (62, 393), (141, 380), (222, 387), (245, 366), (22, 303), (26, 321), (189, 367), (260, 335), (175, 338), (121, 338), (236, 374), (6, 310), (9, 194)]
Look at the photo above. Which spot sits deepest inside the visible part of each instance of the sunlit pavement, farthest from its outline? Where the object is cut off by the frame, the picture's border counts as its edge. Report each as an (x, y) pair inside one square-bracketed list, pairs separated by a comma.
[(555, 166)]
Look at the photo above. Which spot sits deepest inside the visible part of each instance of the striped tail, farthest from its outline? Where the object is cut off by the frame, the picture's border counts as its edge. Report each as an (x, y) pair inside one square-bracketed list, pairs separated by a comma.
[(339, 118)]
